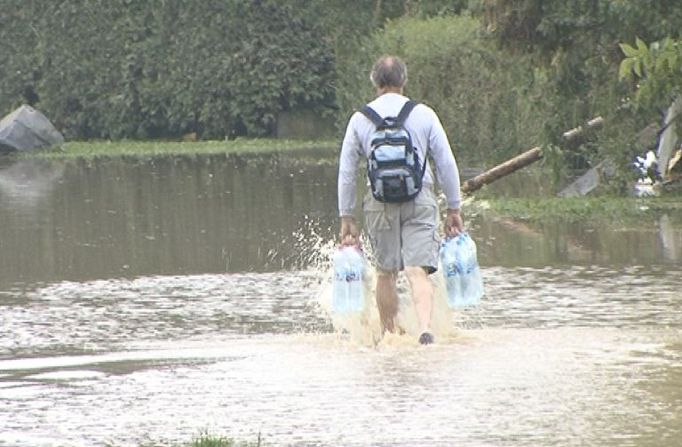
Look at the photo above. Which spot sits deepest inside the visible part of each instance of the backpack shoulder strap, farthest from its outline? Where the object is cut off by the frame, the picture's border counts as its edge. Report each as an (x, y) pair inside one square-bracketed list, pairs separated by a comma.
[(405, 112), (372, 115)]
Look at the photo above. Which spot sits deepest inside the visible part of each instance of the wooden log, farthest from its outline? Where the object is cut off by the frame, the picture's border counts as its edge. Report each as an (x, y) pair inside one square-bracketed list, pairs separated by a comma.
[(503, 169), (594, 123), (524, 159)]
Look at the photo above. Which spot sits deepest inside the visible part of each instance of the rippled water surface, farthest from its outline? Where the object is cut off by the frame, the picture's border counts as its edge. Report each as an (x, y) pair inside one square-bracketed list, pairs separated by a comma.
[(154, 301)]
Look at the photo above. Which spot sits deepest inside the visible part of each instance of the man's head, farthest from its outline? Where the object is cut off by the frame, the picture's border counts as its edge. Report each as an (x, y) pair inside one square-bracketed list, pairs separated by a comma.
[(389, 74)]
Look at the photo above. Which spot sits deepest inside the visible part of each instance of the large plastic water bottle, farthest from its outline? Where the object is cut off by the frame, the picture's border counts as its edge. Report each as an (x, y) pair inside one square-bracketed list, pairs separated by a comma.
[(348, 294), (463, 280)]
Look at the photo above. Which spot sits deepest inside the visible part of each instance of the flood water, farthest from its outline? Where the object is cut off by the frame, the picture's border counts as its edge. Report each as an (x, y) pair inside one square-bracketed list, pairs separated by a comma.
[(151, 301)]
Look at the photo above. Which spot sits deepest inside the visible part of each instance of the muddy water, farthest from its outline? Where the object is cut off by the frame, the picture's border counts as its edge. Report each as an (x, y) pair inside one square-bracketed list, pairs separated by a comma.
[(158, 299)]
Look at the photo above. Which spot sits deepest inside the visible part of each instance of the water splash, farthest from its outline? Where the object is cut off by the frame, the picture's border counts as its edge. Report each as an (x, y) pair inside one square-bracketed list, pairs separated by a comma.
[(364, 327)]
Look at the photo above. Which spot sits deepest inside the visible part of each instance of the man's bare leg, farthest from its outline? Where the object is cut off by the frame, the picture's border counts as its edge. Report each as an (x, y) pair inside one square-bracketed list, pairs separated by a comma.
[(387, 299), (422, 294)]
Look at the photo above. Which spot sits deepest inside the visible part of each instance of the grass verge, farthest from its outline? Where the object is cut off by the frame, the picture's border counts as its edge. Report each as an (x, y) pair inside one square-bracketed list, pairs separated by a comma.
[(585, 210), (212, 441), (206, 440), (128, 148)]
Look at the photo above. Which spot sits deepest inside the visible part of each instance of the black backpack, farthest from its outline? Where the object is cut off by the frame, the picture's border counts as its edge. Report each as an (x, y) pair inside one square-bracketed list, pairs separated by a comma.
[(394, 170)]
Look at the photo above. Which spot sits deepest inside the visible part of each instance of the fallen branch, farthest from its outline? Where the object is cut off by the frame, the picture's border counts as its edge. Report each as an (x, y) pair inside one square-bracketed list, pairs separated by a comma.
[(524, 159)]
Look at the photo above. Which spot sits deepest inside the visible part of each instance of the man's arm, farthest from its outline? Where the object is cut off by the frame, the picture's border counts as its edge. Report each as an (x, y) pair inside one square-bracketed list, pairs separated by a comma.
[(347, 184), (448, 176)]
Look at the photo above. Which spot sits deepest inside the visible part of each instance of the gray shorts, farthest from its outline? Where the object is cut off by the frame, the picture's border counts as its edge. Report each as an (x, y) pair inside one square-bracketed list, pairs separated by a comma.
[(403, 234)]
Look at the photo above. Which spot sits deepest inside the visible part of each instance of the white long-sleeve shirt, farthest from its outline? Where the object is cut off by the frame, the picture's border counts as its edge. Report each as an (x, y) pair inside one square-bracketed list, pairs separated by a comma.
[(427, 134)]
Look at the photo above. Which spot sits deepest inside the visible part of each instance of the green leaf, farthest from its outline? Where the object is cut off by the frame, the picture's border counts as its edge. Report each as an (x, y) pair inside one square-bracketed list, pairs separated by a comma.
[(625, 69), (628, 50), (637, 67), (641, 45)]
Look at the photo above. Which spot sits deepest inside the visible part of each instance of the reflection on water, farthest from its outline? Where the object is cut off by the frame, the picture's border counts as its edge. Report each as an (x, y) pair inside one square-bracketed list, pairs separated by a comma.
[(516, 243), (671, 243), (158, 299), (168, 216), (25, 183), (193, 215)]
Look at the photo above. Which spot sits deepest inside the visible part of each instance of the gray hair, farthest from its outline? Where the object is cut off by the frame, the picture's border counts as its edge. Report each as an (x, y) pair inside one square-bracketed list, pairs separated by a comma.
[(389, 71)]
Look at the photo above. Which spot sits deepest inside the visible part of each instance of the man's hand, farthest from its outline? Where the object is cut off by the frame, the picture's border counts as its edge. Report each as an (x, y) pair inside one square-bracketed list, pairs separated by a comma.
[(453, 223), (349, 234)]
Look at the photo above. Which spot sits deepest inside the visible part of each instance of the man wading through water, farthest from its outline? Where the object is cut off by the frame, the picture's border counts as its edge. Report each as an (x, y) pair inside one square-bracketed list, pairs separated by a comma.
[(400, 219)]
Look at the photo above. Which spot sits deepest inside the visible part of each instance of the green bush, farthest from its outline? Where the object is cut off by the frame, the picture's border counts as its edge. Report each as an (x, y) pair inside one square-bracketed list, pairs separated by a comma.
[(485, 99), (123, 68)]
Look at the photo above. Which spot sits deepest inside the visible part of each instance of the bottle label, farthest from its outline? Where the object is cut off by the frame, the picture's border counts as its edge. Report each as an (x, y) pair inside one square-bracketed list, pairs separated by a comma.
[(348, 275), (348, 296)]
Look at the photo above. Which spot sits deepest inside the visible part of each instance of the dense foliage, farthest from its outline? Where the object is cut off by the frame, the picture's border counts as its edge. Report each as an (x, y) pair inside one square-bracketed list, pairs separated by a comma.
[(578, 45), (484, 98), (504, 75), (655, 67), (121, 68)]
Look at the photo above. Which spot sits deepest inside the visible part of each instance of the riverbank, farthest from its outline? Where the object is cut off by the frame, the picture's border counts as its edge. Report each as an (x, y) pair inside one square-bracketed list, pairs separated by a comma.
[(130, 148), (590, 211)]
